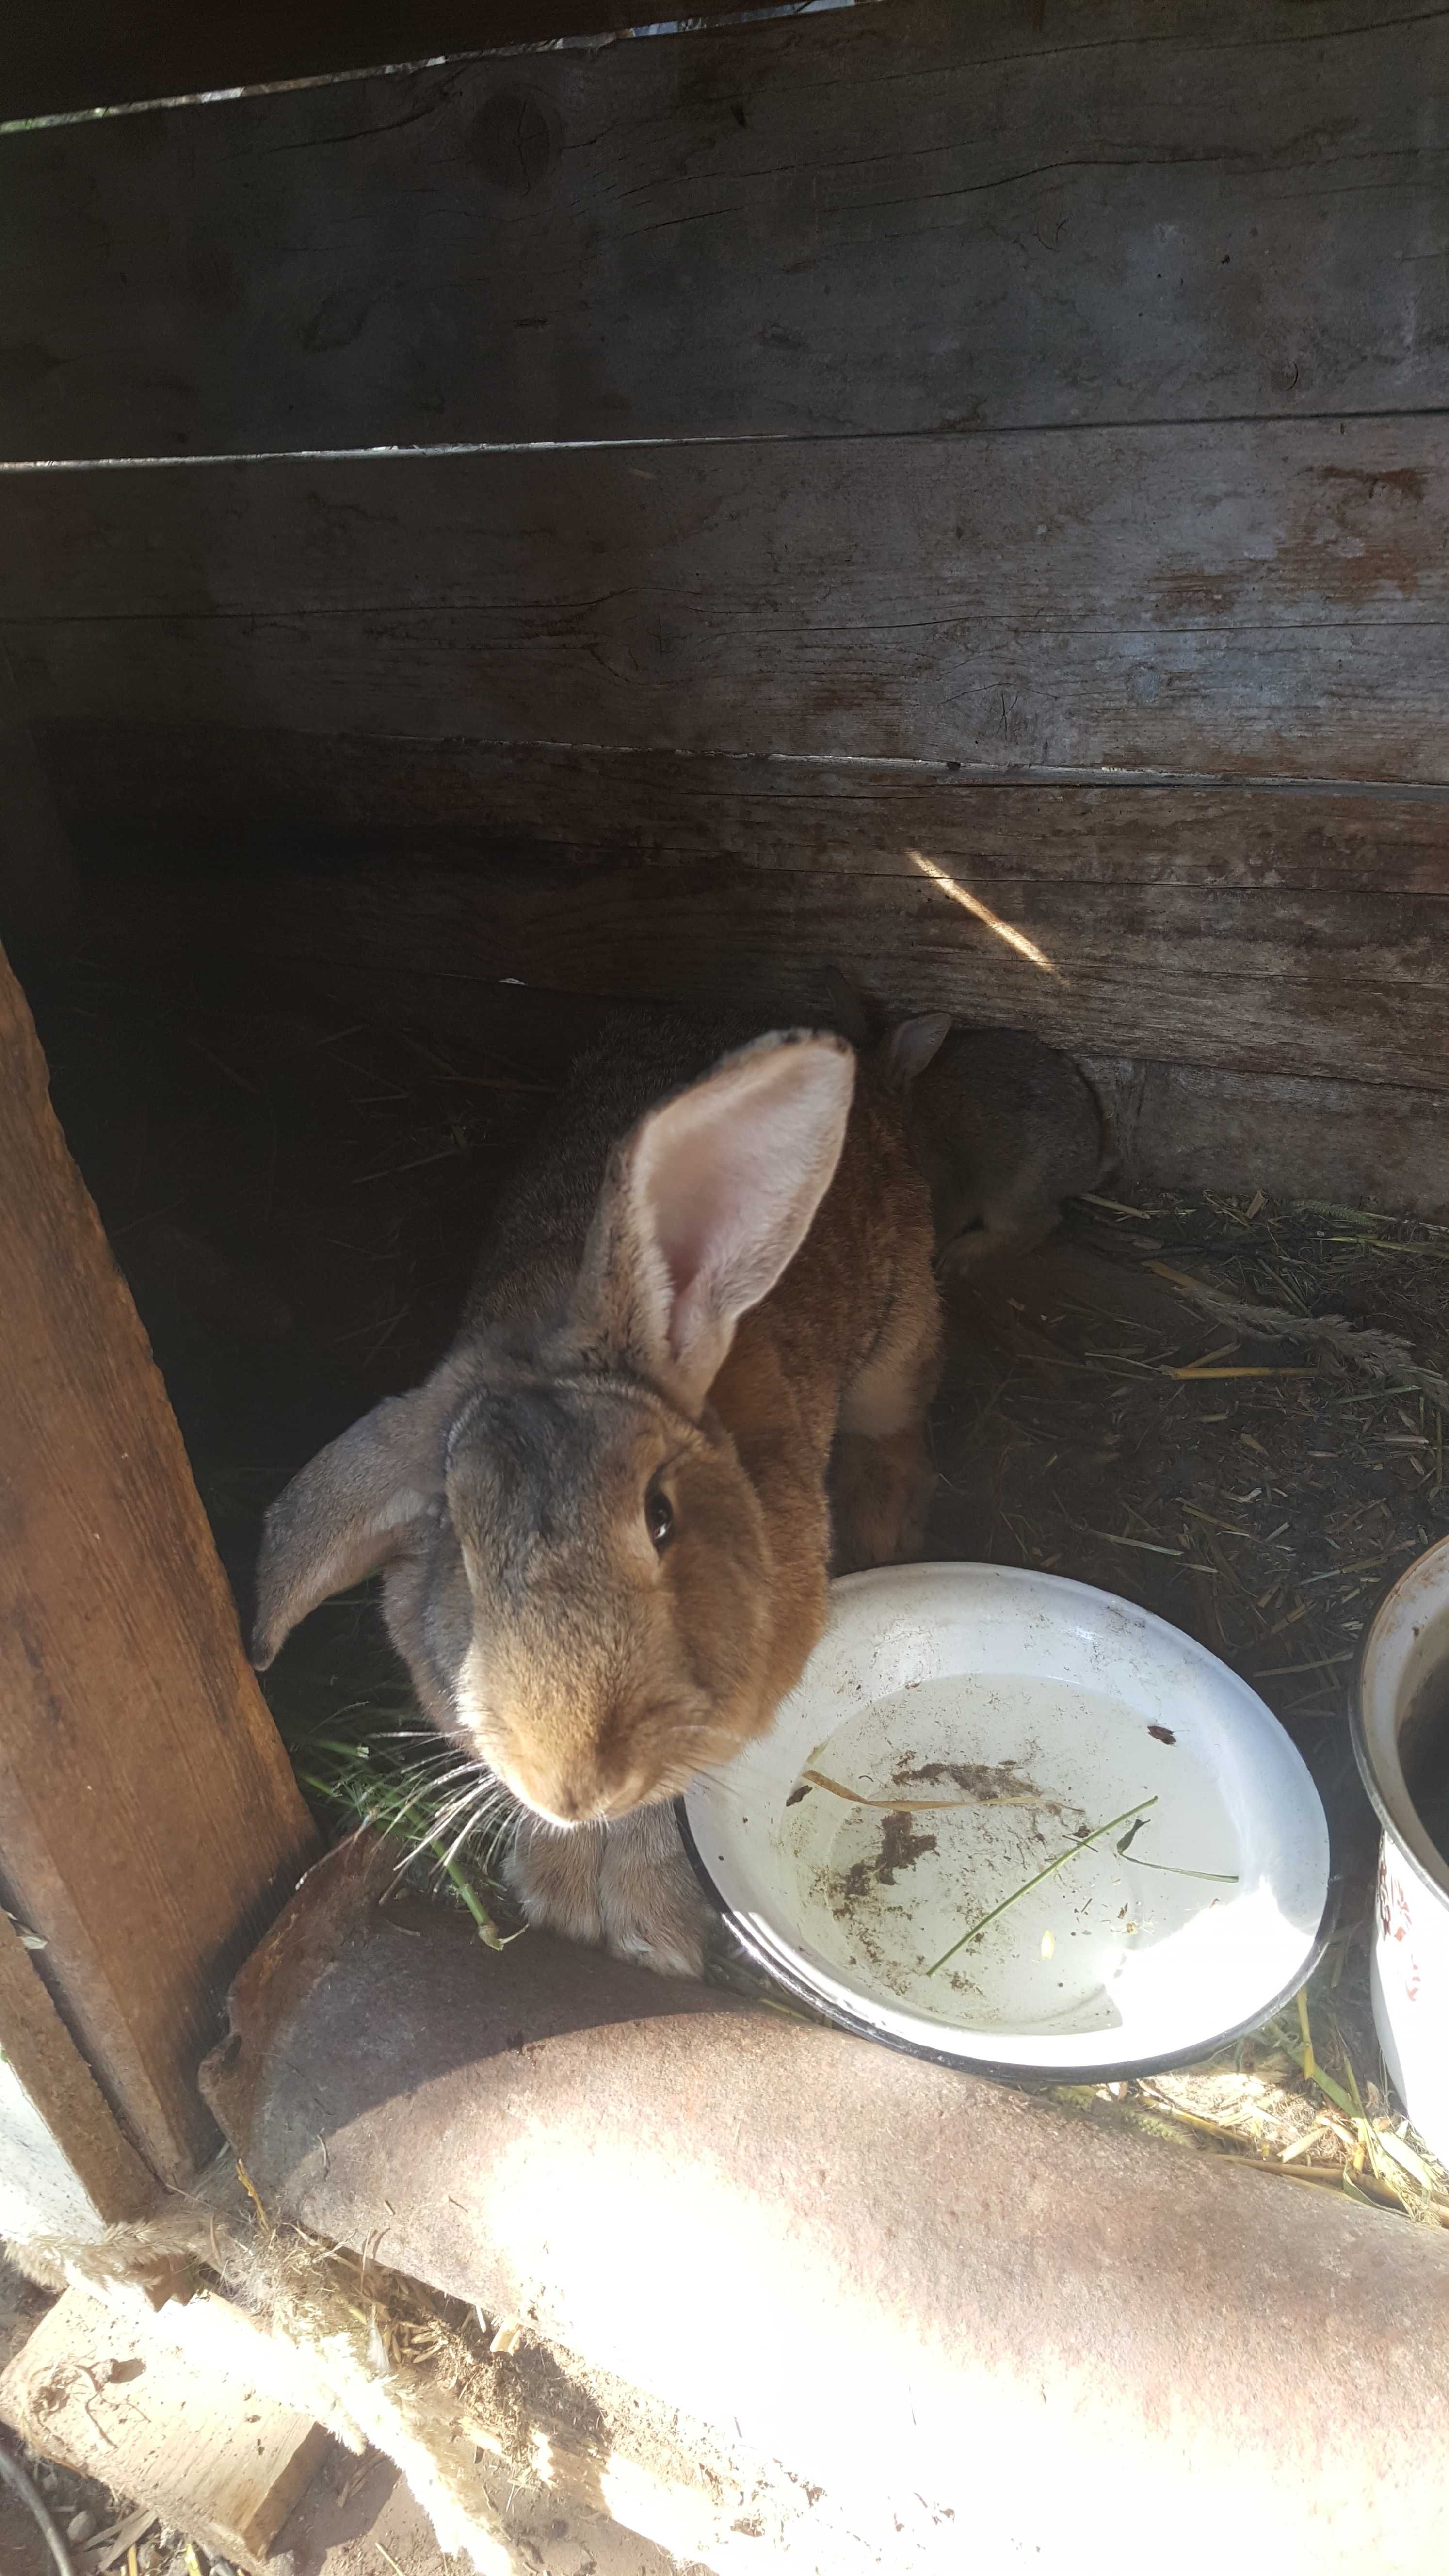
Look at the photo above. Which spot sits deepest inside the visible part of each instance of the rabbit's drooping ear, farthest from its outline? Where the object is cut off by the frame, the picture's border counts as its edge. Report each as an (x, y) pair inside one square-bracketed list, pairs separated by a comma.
[(360, 1502), (706, 1203), (916, 1043)]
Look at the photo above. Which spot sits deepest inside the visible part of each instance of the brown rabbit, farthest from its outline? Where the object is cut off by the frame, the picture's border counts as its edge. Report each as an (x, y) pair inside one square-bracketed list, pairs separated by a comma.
[(603, 1519), (1003, 1128)]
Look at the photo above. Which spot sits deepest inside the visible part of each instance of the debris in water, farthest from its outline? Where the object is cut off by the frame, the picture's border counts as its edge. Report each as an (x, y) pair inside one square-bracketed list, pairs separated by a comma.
[(900, 1848), (1062, 1858), (911, 1806)]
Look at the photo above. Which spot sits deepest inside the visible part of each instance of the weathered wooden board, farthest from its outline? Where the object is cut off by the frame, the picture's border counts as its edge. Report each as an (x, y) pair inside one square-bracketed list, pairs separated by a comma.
[(897, 218), (94, 55), (192, 2433), (1241, 599), (1353, 1144), (39, 2052), (1354, 986), (150, 1825), (203, 794)]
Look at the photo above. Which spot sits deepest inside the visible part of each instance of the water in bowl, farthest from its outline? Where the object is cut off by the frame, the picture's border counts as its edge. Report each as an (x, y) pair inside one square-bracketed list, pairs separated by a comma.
[(883, 1892)]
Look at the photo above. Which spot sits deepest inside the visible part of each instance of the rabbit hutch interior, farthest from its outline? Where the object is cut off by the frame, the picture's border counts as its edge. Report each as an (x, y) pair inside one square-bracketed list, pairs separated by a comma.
[(818, 517)]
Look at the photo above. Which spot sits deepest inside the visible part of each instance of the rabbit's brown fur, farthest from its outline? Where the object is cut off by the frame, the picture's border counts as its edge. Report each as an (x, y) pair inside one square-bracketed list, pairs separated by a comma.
[(591, 1664)]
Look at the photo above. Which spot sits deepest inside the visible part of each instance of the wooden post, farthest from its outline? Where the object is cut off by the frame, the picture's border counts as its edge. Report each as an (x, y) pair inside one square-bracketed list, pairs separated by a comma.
[(150, 1826), (90, 2153)]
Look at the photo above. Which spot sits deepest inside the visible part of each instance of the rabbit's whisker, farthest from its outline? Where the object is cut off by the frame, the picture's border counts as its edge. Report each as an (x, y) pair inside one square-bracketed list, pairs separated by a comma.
[(436, 1826), (455, 1846), (421, 1791)]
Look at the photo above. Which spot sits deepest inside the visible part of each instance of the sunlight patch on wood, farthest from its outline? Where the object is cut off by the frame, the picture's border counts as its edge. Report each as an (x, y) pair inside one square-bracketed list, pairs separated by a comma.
[(982, 912)]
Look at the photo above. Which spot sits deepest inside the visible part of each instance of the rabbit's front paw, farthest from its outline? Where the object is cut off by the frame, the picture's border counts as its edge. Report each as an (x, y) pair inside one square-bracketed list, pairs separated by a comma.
[(626, 1886), (653, 1907), (555, 1877)]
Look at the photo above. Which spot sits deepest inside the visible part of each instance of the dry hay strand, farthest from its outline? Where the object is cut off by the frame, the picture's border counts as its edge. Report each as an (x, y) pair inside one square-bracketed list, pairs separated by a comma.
[(1364, 1346), (367, 2353), (1272, 2104), (448, 2395)]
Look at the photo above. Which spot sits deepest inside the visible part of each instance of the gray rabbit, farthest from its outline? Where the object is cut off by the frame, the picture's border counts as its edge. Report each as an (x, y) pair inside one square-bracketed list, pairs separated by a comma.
[(1004, 1130)]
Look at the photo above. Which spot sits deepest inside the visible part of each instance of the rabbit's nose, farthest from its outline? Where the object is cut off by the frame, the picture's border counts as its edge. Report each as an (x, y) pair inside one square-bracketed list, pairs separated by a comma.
[(566, 1796), (570, 1804)]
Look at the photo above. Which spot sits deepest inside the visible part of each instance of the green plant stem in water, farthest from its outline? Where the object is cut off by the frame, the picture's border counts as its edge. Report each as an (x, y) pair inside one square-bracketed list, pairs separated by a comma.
[(1139, 1807), (1171, 1869)]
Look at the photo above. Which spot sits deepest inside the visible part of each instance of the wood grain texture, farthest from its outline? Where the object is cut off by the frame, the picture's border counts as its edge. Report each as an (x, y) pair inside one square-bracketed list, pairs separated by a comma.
[(36, 2044), (1243, 599), (1353, 1144), (375, 954), (94, 55), (553, 813), (1281, 929), (1350, 986), (192, 2432), (150, 1826), (888, 219)]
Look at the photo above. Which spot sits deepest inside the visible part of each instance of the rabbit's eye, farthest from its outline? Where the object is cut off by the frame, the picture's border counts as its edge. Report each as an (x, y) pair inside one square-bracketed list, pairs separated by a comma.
[(659, 1517)]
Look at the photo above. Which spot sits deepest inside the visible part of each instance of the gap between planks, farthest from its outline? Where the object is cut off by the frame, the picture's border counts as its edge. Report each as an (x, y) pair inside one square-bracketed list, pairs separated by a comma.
[(937, 433)]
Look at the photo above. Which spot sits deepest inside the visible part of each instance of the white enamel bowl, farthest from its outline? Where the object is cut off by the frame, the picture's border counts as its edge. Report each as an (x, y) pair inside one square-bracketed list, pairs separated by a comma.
[(1018, 1714)]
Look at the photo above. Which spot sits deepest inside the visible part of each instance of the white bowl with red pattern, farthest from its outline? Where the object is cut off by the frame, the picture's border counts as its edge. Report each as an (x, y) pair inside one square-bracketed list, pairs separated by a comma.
[(1401, 1737)]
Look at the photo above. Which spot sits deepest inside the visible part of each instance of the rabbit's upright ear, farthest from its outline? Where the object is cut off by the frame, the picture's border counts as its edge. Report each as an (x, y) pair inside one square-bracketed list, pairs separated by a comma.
[(916, 1043), (705, 1204), (361, 1501)]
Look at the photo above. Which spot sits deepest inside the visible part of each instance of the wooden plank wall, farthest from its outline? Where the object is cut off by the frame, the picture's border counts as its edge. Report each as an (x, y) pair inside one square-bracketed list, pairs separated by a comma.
[(66, 62), (899, 218), (844, 487)]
